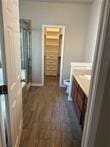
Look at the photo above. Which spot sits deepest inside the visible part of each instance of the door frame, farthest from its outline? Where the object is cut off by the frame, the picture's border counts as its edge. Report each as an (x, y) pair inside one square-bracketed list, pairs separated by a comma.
[(62, 51), (95, 94)]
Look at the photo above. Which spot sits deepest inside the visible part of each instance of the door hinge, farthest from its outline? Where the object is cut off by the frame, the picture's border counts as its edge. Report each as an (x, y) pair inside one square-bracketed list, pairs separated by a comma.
[(3, 89)]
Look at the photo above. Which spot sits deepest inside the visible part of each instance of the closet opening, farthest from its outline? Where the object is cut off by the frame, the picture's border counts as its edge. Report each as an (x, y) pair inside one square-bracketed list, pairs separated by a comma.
[(53, 48)]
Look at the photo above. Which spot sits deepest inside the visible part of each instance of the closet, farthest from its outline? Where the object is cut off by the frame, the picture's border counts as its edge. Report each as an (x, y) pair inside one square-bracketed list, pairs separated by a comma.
[(52, 51)]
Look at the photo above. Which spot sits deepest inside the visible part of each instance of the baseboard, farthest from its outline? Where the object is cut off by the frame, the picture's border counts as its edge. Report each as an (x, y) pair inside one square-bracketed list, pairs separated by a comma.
[(28, 85), (37, 84), (70, 98), (40, 85), (62, 86)]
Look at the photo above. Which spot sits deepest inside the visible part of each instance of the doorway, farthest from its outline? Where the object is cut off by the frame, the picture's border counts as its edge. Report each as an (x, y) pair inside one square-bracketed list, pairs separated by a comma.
[(52, 53)]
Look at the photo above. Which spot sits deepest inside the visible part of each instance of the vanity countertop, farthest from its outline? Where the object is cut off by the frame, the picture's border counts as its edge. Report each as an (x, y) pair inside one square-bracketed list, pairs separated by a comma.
[(83, 77)]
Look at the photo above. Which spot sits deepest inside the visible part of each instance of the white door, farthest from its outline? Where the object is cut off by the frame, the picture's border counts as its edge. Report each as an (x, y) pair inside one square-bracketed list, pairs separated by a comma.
[(10, 12)]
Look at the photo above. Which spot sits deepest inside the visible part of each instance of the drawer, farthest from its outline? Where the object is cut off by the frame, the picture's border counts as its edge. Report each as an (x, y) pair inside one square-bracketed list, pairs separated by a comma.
[(52, 41), (52, 72), (52, 57), (52, 48), (51, 62), (50, 67), (51, 54)]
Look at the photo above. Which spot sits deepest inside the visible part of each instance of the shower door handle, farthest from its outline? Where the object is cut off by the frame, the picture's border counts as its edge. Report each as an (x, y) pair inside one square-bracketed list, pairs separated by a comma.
[(22, 80), (3, 89)]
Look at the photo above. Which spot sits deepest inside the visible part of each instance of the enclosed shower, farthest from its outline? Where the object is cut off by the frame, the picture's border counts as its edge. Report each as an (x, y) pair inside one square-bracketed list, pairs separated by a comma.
[(25, 45)]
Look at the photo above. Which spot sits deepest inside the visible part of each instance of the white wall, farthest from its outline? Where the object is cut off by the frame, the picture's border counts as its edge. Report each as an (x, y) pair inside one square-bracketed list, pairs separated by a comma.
[(74, 16), (93, 30)]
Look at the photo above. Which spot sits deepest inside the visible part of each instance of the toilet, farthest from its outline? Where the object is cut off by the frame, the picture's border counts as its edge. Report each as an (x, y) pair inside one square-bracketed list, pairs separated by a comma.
[(67, 85)]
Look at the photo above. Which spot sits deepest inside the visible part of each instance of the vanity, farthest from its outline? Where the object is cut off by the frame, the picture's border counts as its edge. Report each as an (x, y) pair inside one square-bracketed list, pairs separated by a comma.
[(79, 91)]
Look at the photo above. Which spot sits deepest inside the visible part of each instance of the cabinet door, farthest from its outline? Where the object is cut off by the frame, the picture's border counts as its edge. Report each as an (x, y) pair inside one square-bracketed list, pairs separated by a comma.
[(83, 112), (75, 93), (75, 96), (80, 99), (74, 90)]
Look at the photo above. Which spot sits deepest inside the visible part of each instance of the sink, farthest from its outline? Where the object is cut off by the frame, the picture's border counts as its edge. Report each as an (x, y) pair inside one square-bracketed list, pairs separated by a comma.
[(88, 77)]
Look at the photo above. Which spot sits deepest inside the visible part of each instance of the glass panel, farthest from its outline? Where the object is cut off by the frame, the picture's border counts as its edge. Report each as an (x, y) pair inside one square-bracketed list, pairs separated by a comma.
[(23, 69), (25, 39), (1, 70)]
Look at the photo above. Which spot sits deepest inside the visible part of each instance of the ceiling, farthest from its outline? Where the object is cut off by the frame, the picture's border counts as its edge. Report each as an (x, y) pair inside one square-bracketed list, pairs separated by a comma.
[(63, 1)]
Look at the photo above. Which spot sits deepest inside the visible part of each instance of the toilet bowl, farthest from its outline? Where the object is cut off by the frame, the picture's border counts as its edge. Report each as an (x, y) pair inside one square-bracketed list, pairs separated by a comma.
[(67, 85)]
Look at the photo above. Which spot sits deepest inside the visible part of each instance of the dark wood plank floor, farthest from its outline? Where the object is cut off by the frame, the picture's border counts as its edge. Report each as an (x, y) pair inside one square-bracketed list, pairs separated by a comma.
[(49, 119)]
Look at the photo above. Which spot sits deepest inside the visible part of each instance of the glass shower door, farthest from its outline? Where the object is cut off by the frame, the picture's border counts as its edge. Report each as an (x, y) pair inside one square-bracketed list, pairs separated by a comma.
[(25, 54), (23, 67)]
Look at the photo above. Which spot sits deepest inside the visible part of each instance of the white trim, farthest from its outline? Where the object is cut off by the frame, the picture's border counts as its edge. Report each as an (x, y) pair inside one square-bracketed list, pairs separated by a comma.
[(37, 84), (62, 52), (28, 85), (40, 85), (23, 84), (62, 86), (70, 98), (94, 101), (43, 30), (62, 56)]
